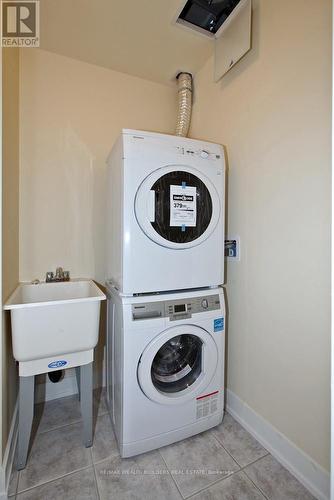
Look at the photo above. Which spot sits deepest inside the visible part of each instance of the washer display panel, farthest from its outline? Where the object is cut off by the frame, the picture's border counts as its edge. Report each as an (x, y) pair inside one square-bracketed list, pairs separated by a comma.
[(178, 364), (177, 206)]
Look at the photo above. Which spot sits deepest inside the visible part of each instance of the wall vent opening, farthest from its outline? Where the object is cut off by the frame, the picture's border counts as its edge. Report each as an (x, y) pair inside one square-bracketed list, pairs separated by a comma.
[(207, 15)]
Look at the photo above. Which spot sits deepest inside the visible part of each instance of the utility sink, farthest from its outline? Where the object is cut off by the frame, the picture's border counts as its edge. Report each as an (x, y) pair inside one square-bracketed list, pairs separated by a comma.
[(54, 325)]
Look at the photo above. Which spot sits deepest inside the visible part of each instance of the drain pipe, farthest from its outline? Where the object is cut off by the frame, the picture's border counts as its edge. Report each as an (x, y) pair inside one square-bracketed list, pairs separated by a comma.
[(185, 90)]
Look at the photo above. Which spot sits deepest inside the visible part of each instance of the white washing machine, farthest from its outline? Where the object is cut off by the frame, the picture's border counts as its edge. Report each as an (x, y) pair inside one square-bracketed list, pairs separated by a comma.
[(165, 228), (165, 366)]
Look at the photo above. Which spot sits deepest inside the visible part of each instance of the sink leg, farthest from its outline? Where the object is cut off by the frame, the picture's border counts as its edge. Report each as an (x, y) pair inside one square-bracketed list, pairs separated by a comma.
[(77, 374), (86, 402), (26, 412)]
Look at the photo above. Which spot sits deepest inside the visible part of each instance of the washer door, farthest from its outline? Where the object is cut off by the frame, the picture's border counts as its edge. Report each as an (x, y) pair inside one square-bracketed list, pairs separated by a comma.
[(178, 364), (177, 207)]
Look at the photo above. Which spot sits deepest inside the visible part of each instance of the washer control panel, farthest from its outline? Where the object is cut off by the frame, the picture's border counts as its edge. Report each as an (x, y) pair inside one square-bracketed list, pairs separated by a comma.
[(175, 309)]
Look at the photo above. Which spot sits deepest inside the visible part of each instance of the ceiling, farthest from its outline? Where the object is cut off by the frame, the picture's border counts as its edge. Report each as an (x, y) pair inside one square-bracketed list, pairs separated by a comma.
[(131, 36)]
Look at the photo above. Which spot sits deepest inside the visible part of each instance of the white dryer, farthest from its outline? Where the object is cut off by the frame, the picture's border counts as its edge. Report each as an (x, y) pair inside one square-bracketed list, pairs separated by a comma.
[(165, 366), (165, 216)]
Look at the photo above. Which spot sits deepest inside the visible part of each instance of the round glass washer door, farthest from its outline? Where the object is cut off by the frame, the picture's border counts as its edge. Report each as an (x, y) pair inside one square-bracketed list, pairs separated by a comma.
[(178, 364), (177, 207)]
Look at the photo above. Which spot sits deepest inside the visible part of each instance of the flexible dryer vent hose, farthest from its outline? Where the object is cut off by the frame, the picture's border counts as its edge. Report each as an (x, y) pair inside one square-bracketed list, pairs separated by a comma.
[(185, 91)]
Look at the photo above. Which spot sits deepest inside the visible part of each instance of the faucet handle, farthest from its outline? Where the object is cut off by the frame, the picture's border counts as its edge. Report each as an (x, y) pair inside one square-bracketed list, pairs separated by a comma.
[(59, 273), (49, 276)]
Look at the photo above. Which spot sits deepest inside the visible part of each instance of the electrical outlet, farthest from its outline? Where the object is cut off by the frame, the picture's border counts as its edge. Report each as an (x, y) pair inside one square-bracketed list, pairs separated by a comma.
[(232, 248)]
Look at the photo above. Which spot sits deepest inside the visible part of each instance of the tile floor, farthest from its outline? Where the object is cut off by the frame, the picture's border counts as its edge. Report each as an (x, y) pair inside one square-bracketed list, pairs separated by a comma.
[(225, 463)]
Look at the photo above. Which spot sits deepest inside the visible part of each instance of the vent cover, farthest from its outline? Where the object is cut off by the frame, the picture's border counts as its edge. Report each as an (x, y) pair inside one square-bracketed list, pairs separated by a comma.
[(208, 15)]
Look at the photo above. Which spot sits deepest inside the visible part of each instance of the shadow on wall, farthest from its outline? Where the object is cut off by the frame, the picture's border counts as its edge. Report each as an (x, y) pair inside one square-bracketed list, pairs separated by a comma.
[(9, 376), (86, 205), (226, 272)]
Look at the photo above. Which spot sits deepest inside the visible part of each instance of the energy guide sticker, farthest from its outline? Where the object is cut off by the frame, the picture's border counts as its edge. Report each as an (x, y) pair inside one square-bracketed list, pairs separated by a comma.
[(182, 206)]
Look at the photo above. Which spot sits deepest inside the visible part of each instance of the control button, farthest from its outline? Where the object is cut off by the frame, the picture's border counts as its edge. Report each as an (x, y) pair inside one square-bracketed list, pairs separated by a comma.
[(204, 304), (204, 154)]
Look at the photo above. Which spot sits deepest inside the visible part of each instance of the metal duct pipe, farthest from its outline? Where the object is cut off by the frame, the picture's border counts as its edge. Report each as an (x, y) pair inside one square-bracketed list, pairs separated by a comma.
[(185, 90)]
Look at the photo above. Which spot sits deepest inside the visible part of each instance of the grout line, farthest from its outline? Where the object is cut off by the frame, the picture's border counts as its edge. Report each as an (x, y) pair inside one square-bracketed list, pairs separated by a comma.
[(208, 486), (171, 475), (39, 433), (55, 479), (66, 425), (13, 496), (221, 444), (95, 478), (256, 486), (236, 461), (226, 477), (241, 469), (109, 457), (18, 477)]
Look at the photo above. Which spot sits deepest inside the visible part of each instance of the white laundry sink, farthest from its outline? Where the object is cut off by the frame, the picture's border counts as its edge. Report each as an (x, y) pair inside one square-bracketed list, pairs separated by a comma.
[(54, 319)]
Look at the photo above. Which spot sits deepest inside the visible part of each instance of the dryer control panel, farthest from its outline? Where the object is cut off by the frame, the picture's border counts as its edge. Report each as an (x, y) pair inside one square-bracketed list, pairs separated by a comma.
[(175, 309), (205, 154)]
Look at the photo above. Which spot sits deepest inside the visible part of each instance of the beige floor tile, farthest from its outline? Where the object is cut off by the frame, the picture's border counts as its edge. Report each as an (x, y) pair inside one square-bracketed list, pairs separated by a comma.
[(104, 444), (144, 477), (238, 442), (57, 413), (64, 411), (235, 487), (79, 485), (275, 481), (54, 454), (197, 462)]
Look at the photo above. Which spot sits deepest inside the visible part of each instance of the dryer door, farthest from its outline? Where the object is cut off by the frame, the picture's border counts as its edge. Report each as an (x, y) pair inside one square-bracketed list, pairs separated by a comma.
[(177, 207), (178, 364)]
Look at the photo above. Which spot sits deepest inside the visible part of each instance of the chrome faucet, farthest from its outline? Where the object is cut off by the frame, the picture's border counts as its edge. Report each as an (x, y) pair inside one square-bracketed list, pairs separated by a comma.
[(60, 275)]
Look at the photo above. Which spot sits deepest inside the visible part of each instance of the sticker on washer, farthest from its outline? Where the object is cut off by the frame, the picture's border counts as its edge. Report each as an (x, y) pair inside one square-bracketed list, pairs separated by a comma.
[(207, 404), (182, 206), (218, 324)]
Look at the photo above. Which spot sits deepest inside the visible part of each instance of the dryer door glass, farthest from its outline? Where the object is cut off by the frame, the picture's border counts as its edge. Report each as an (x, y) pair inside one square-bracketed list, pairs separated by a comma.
[(183, 207), (177, 364)]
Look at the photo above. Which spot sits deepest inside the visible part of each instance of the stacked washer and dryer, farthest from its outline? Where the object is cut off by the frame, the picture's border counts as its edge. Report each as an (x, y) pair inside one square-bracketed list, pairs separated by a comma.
[(166, 312)]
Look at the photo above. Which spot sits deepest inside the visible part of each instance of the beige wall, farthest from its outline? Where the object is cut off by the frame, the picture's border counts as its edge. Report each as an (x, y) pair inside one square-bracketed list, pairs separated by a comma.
[(272, 111), (71, 113), (10, 224)]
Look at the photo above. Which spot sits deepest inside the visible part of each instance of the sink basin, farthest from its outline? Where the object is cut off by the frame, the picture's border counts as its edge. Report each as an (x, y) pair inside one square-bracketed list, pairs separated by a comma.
[(52, 323)]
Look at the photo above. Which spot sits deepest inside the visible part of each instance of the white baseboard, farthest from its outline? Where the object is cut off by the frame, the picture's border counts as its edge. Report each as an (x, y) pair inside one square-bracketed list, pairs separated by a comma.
[(9, 455), (307, 471)]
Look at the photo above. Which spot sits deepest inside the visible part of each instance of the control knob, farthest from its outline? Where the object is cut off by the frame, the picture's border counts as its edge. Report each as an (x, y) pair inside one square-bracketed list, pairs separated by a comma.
[(204, 304), (204, 154)]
